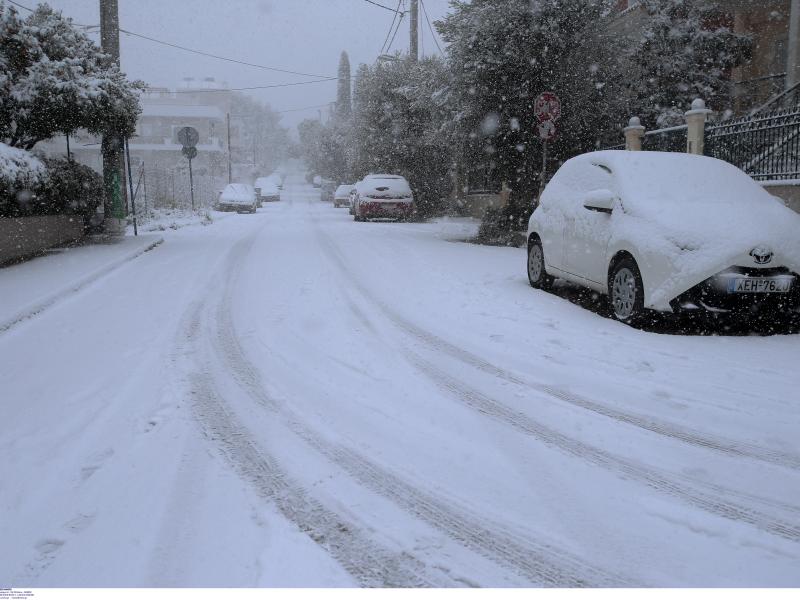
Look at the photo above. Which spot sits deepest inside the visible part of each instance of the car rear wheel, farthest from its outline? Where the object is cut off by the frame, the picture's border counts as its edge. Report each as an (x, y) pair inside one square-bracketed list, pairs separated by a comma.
[(626, 292), (537, 274)]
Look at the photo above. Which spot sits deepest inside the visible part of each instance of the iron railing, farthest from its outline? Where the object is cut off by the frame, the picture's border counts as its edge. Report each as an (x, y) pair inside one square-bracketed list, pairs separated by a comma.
[(766, 147)]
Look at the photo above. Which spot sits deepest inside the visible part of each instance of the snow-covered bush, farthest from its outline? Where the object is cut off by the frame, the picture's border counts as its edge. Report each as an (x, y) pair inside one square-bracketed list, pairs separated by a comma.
[(55, 80), (21, 174), (71, 188)]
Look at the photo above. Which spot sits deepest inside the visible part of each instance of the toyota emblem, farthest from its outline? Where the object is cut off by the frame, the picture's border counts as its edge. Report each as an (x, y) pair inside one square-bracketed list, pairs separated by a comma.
[(761, 255)]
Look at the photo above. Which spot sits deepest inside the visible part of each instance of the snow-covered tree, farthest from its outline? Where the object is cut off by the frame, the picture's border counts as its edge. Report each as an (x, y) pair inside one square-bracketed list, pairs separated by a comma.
[(264, 141), (399, 120), (686, 51), (502, 55), (55, 80), (343, 101)]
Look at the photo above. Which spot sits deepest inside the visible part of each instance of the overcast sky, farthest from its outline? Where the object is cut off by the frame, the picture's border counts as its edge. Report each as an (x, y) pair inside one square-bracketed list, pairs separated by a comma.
[(298, 35)]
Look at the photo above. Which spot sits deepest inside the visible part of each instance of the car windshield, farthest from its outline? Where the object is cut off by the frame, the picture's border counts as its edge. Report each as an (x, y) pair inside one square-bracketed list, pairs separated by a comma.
[(327, 294)]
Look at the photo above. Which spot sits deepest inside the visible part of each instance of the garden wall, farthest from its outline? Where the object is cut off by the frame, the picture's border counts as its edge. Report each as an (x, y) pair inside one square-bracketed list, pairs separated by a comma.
[(27, 236)]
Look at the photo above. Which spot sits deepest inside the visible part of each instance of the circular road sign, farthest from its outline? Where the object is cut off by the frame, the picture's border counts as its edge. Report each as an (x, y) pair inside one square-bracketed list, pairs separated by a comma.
[(188, 136), (547, 130), (189, 152), (547, 107)]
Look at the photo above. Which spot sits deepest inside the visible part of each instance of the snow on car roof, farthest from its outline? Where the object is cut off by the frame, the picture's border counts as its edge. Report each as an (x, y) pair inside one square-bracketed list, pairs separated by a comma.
[(265, 182), (390, 185), (655, 178), (345, 188)]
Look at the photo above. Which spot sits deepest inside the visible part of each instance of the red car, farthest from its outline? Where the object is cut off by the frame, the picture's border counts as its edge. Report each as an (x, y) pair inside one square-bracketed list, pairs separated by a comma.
[(383, 197)]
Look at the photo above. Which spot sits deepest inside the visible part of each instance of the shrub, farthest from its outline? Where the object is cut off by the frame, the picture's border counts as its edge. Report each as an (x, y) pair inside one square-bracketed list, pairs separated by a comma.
[(72, 188), (21, 174)]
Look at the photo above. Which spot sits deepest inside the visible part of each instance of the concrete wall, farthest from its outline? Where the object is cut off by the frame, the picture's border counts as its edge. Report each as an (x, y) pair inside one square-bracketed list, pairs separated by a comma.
[(789, 193), (28, 236)]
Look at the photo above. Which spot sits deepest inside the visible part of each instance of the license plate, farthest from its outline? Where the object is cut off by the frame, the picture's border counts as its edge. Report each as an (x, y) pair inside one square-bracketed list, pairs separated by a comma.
[(760, 285)]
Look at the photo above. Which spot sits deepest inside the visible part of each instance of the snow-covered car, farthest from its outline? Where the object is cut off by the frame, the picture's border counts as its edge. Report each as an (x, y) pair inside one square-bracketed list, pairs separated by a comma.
[(327, 190), (316, 181), (665, 231), (267, 190), (351, 199), (239, 197), (341, 197), (383, 196)]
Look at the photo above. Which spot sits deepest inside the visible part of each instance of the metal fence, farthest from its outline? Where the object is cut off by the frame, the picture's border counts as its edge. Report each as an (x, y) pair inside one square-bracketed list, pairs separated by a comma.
[(669, 139), (766, 146), (159, 189)]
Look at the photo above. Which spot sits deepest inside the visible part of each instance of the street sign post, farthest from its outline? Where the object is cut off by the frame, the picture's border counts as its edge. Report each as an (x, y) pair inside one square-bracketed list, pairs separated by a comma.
[(547, 109), (188, 137)]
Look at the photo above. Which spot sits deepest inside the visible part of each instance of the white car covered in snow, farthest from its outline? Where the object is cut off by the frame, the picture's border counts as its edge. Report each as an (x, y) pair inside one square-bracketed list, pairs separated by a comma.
[(665, 231), (267, 190), (341, 197), (239, 197), (382, 196)]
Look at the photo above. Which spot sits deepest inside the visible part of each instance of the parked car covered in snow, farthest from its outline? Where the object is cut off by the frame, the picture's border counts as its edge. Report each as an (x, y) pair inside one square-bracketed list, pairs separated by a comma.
[(267, 190), (383, 196), (341, 197), (239, 197), (316, 181), (327, 190), (665, 231)]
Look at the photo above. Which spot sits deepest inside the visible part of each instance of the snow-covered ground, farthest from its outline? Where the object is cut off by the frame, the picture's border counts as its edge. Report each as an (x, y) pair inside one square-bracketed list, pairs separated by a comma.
[(295, 399)]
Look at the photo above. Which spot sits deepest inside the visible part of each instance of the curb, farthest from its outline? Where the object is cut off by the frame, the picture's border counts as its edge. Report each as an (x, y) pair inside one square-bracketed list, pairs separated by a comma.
[(40, 306)]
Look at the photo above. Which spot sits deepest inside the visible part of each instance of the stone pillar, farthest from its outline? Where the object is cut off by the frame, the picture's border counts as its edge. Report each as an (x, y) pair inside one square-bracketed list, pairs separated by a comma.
[(634, 133), (696, 127)]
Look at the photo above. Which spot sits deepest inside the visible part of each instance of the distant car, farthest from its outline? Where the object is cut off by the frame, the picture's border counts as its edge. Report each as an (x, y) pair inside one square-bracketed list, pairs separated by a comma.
[(317, 181), (266, 190), (665, 231), (239, 197), (277, 179), (327, 190), (383, 197), (341, 197)]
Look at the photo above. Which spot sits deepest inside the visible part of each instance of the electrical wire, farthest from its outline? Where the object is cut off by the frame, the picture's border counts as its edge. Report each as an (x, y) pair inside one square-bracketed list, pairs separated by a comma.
[(255, 87), (396, 29), (381, 5), (208, 54), (388, 33), (433, 33)]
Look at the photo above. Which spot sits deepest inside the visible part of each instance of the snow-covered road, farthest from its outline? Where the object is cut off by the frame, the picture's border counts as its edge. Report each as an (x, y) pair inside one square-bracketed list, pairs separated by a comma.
[(295, 399)]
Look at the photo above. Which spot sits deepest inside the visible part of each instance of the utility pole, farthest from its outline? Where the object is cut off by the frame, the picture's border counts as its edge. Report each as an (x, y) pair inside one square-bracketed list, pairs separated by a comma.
[(228, 118), (111, 145), (413, 47)]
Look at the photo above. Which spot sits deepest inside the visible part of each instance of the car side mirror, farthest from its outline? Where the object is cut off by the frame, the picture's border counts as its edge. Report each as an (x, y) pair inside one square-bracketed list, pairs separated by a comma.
[(600, 201)]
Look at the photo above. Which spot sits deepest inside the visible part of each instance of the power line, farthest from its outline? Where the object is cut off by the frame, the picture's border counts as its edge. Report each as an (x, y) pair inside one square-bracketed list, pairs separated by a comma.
[(200, 52), (255, 87), (388, 33), (383, 6), (433, 33), (396, 29), (208, 54), (304, 108)]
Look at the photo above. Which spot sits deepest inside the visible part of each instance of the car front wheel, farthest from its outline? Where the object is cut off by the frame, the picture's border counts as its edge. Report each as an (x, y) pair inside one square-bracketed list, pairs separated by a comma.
[(537, 275), (626, 292)]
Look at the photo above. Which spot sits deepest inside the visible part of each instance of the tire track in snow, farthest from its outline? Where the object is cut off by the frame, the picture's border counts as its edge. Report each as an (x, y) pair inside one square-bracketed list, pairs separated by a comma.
[(538, 562), (679, 487), (369, 563), (664, 428)]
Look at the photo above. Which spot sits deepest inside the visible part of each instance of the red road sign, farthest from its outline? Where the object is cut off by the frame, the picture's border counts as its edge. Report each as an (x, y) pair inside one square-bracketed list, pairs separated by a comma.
[(547, 130), (547, 107)]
